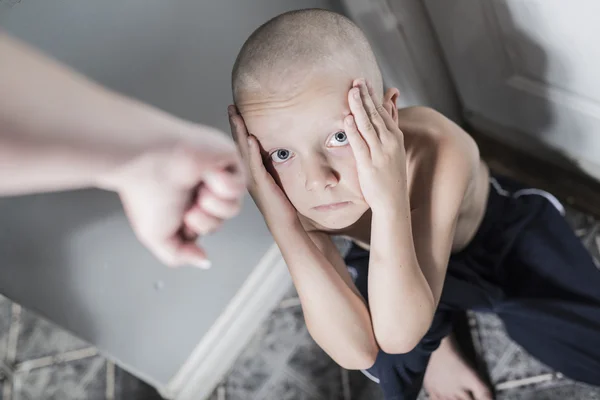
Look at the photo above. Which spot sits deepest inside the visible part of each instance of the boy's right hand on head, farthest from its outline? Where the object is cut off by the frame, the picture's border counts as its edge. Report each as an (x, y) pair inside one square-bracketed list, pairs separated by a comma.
[(268, 196)]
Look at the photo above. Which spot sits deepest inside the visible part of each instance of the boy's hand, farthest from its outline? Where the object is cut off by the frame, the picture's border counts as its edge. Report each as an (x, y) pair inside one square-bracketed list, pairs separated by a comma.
[(268, 196), (378, 146)]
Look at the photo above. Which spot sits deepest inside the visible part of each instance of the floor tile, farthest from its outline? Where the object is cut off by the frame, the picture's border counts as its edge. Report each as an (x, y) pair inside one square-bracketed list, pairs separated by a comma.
[(285, 386), (39, 338), (522, 365), (75, 380), (493, 338), (567, 391), (251, 370), (284, 328), (316, 367)]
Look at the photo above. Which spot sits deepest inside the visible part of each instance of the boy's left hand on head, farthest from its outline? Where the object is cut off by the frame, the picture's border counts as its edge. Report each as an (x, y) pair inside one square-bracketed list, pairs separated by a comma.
[(378, 146)]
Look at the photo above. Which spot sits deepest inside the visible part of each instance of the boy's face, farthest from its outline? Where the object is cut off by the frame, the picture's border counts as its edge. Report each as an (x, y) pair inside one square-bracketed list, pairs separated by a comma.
[(305, 148)]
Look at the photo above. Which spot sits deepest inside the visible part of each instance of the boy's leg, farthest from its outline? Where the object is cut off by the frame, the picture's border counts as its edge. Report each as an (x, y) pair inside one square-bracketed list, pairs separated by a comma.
[(552, 288)]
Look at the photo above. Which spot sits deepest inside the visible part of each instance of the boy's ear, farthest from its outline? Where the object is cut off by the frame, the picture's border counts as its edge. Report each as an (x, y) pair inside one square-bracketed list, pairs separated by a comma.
[(389, 102)]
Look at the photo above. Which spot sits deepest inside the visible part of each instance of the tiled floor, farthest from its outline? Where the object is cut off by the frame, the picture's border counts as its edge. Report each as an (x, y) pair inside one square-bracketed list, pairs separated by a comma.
[(41, 362)]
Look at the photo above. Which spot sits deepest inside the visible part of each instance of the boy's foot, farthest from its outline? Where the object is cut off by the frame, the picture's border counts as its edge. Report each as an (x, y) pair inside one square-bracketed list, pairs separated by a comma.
[(449, 377)]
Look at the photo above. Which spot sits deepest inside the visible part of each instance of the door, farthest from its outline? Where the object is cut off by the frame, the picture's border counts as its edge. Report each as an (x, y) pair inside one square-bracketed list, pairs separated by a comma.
[(528, 70), (407, 51)]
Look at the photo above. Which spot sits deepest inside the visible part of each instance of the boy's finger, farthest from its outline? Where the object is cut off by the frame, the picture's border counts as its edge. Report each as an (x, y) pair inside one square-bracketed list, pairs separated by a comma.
[(371, 107), (257, 168), (357, 143), (238, 130), (362, 121), (385, 115)]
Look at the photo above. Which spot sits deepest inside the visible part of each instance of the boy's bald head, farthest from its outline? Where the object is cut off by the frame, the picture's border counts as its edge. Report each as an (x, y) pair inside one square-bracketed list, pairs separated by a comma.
[(299, 45)]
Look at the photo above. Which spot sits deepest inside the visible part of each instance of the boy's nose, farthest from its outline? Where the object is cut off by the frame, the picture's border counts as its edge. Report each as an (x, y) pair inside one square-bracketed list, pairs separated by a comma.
[(319, 176)]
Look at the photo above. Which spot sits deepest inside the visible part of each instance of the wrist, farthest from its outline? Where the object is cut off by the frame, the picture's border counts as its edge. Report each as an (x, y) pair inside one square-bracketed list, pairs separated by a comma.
[(149, 140), (128, 164), (394, 203), (393, 220), (284, 233), (390, 211)]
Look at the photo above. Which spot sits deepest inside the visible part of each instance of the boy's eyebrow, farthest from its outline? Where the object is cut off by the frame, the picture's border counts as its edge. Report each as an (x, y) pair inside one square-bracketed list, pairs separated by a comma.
[(265, 143)]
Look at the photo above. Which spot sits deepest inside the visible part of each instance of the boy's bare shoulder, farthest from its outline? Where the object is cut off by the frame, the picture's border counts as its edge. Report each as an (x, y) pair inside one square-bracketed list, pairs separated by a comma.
[(427, 129), (425, 120), (438, 151)]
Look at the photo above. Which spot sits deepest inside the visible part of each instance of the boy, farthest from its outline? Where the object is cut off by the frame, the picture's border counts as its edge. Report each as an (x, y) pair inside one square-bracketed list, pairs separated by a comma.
[(433, 232)]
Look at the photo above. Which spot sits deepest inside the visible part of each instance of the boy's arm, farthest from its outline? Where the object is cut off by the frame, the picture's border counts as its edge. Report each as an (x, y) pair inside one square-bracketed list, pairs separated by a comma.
[(335, 313), (439, 185), (438, 189), (409, 248)]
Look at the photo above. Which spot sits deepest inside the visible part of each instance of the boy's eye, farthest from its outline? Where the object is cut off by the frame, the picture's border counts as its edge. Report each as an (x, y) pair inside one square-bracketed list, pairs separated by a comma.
[(281, 155), (338, 139)]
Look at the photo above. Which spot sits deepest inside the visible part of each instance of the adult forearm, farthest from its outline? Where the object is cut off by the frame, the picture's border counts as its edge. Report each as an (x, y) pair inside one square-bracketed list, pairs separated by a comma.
[(400, 299), (335, 314), (59, 130)]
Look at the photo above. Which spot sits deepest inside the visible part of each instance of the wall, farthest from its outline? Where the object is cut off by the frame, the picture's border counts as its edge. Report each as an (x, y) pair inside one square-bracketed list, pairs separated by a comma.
[(408, 53), (526, 73), (72, 256)]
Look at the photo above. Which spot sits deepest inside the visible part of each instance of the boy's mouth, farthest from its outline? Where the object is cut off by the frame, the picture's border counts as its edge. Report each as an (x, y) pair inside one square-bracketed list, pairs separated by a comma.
[(331, 206)]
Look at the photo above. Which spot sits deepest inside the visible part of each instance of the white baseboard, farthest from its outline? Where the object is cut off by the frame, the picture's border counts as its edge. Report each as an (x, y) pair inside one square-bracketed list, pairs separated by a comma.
[(215, 354)]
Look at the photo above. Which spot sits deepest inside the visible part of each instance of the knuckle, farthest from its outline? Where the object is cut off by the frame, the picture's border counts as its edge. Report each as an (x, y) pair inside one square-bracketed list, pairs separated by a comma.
[(369, 127), (191, 218)]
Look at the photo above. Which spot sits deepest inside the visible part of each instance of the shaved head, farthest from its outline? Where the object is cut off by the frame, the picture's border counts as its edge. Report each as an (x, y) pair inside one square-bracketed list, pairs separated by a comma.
[(288, 50), (291, 84)]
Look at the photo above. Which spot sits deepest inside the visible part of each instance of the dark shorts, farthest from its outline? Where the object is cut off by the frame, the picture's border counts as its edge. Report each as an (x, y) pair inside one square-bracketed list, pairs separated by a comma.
[(526, 265)]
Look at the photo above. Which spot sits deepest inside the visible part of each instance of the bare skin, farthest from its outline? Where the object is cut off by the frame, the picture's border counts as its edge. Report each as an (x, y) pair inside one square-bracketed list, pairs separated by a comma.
[(408, 185), (449, 377)]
